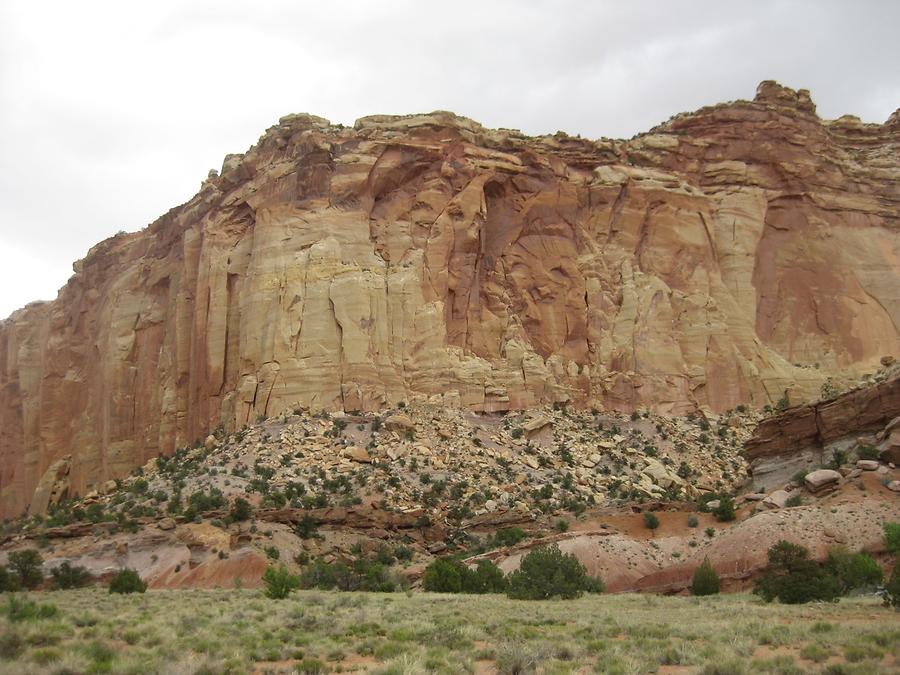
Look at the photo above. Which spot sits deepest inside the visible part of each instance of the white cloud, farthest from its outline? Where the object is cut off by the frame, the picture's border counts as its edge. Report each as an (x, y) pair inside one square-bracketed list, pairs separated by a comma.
[(112, 112)]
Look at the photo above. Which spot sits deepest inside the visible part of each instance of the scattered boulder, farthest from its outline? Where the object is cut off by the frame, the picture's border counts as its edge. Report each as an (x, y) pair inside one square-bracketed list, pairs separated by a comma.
[(399, 422), (821, 479), (357, 454), (210, 442), (777, 499), (535, 424), (166, 524), (867, 465)]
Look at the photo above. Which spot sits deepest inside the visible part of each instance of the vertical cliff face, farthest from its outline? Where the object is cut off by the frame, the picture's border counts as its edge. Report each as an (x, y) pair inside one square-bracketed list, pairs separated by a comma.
[(732, 255)]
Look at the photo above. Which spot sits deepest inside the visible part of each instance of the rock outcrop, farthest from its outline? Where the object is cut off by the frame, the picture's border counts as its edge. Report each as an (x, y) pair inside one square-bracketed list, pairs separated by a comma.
[(737, 254), (806, 436)]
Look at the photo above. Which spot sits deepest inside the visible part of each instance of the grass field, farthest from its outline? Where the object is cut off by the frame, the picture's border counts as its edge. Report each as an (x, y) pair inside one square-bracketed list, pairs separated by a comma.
[(195, 631)]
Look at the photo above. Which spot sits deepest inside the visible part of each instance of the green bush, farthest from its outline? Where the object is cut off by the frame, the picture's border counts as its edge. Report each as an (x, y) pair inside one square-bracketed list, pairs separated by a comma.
[(651, 520), (9, 581), (794, 500), (127, 581), (867, 452), (21, 609), (485, 578), (26, 565), (240, 510), (360, 575), (66, 575), (451, 575), (892, 588), (509, 536), (724, 512), (444, 575), (279, 582), (892, 537), (693, 521), (706, 581), (854, 571), (546, 572), (793, 578)]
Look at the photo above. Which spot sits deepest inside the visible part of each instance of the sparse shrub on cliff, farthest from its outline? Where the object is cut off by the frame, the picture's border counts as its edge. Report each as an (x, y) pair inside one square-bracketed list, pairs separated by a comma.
[(705, 581), (794, 500), (724, 512), (127, 581), (792, 578), (279, 582), (240, 511), (866, 451), (651, 520), (508, 536), (547, 572)]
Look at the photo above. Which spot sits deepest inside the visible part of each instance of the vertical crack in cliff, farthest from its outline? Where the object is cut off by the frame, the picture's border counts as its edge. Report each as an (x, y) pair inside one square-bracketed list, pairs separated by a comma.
[(709, 238), (340, 340), (615, 213)]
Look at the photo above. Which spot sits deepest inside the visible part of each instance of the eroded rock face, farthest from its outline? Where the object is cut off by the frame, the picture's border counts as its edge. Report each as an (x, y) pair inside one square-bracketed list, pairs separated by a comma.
[(802, 437), (428, 257)]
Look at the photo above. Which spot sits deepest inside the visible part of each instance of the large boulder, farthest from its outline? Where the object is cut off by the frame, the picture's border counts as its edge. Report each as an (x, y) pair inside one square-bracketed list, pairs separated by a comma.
[(821, 479)]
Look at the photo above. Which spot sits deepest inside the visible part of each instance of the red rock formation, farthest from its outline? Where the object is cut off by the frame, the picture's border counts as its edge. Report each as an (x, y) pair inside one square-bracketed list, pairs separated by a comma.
[(426, 256)]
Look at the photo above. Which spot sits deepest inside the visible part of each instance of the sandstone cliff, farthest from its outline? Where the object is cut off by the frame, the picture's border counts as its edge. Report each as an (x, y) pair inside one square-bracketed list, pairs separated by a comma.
[(731, 255)]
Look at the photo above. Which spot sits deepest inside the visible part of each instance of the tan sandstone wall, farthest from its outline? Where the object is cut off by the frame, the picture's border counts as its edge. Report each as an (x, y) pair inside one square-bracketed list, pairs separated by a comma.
[(713, 261)]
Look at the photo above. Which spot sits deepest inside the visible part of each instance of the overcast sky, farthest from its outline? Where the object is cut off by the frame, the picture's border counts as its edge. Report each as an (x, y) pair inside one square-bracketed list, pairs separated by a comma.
[(113, 112)]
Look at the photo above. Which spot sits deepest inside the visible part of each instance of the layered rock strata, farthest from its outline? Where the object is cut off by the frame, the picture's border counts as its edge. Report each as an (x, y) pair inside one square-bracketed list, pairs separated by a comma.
[(807, 436), (737, 254)]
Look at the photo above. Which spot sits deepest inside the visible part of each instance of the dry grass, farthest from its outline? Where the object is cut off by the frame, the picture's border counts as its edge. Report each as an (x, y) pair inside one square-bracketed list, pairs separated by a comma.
[(195, 631)]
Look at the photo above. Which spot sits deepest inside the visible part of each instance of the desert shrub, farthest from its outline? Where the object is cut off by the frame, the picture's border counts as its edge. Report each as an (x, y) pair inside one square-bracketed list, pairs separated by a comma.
[(26, 565), (11, 644), (509, 536), (306, 527), (892, 537), (444, 575), (361, 574), (19, 608), (854, 571), (450, 575), (651, 521), (547, 572), (867, 452), (279, 582), (66, 575), (706, 581), (892, 588), (127, 581), (724, 512), (403, 553), (9, 581), (485, 578), (240, 510), (793, 578), (693, 521), (794, 500)]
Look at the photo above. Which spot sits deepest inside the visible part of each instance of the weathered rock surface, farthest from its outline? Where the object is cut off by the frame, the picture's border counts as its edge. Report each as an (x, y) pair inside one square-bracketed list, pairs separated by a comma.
[(800, 437), (426, 257)]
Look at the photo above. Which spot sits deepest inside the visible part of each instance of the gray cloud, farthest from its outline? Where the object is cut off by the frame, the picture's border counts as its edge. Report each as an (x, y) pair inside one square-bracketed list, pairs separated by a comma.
[(111, 112)]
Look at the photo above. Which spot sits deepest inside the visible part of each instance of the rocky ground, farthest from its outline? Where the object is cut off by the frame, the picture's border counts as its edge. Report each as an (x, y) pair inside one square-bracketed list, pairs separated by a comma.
[(417, 482)]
